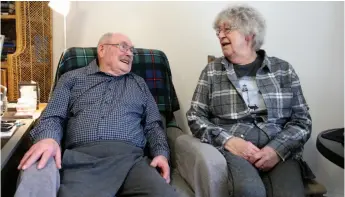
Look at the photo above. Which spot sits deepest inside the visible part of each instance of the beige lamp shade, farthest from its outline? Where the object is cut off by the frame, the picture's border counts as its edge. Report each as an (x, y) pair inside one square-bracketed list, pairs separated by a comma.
[(60, 6)]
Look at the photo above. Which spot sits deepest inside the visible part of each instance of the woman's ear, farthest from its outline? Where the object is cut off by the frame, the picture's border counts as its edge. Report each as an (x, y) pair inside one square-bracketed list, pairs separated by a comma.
[(249, 37)]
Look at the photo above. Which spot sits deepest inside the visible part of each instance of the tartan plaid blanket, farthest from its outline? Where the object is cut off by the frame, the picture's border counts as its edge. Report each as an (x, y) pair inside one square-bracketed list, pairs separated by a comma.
[(151, 65)]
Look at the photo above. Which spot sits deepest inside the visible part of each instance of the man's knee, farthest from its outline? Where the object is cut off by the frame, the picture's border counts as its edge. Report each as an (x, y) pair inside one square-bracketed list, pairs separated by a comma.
[(50, 171), (165, 190), (143, 179), (39, 181)]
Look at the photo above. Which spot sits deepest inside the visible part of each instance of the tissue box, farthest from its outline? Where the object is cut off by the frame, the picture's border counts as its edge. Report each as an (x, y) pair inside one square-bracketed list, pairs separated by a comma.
[(30, 90)]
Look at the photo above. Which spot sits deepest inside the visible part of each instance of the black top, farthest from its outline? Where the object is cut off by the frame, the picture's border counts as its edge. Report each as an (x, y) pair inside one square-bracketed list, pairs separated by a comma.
[(248, 69)]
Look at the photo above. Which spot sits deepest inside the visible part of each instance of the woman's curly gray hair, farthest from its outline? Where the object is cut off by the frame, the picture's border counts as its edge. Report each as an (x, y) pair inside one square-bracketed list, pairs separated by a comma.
[(247, 20)]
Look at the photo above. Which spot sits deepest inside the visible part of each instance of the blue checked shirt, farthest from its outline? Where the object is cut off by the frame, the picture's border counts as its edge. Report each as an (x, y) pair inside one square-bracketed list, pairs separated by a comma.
[(88, 105), (218, 109)]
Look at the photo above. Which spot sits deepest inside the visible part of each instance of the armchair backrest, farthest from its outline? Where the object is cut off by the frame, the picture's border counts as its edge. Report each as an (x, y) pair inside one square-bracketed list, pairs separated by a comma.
[(150, 64)]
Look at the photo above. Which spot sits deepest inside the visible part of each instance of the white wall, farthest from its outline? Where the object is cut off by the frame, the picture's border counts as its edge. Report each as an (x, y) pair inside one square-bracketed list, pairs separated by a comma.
[(58, 39), (310, 35)]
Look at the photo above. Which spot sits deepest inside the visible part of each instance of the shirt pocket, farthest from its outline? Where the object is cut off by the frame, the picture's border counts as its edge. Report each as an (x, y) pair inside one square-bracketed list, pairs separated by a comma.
[(220, 104), (132, 102), (84, 100), (227, 102)]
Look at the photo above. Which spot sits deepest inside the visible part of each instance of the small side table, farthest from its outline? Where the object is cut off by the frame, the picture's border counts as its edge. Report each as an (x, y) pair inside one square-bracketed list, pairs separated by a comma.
[(330, 149), (12, 151)]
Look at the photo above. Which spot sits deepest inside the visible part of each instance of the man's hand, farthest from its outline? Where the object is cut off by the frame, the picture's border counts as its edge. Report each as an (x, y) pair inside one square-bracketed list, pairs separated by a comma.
[(162, 163), (265, 159), (240, 147), (43, 149)]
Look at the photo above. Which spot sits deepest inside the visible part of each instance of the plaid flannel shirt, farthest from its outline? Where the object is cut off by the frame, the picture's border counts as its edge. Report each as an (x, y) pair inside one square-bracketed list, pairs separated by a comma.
[(218, 109)]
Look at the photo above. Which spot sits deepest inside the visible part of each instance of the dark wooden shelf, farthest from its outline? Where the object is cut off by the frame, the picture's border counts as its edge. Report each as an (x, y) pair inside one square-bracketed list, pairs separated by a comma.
[(8, 17)]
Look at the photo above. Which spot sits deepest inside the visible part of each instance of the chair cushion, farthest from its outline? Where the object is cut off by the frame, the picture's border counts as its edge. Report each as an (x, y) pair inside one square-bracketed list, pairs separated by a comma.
[(180, 185), (151, 65)]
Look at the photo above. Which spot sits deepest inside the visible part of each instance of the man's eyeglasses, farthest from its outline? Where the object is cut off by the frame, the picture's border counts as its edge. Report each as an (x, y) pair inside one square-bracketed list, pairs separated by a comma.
[(123, 47), (226, 30)]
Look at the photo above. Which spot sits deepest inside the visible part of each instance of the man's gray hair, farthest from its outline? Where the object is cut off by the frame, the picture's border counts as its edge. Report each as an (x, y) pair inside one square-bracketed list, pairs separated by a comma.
[(105, 38), (247, 20)]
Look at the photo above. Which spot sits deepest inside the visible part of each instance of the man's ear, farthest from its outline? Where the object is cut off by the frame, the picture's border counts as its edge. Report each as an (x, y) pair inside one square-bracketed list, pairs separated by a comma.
[(100, 50)]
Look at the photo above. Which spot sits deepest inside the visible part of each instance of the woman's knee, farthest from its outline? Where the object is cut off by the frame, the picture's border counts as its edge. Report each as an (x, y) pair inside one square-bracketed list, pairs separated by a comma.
[(249, 188), (244, 179)]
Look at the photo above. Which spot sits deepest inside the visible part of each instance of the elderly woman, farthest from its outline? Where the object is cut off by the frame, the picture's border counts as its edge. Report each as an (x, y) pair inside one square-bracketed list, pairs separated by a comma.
[(251, 107)]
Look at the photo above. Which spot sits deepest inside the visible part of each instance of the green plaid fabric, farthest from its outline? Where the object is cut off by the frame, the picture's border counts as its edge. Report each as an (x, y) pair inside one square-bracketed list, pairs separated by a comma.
[(152, 65)]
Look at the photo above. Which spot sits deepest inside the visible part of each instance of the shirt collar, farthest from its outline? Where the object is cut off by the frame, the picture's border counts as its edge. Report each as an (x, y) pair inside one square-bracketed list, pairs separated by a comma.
[(262, 53), (266, 63), (93, 68)]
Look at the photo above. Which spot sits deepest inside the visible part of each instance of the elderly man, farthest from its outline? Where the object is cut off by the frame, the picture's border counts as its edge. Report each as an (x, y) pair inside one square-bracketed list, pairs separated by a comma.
[(251, 107), (105, 114)]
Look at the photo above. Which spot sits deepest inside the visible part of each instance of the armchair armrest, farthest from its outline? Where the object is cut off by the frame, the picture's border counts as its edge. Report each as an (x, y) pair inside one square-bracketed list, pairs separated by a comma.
[(173, 133), (202, 166)]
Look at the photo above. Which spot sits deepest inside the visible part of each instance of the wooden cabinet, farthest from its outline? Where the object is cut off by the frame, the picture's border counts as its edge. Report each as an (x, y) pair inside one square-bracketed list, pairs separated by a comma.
[(31, 27)]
